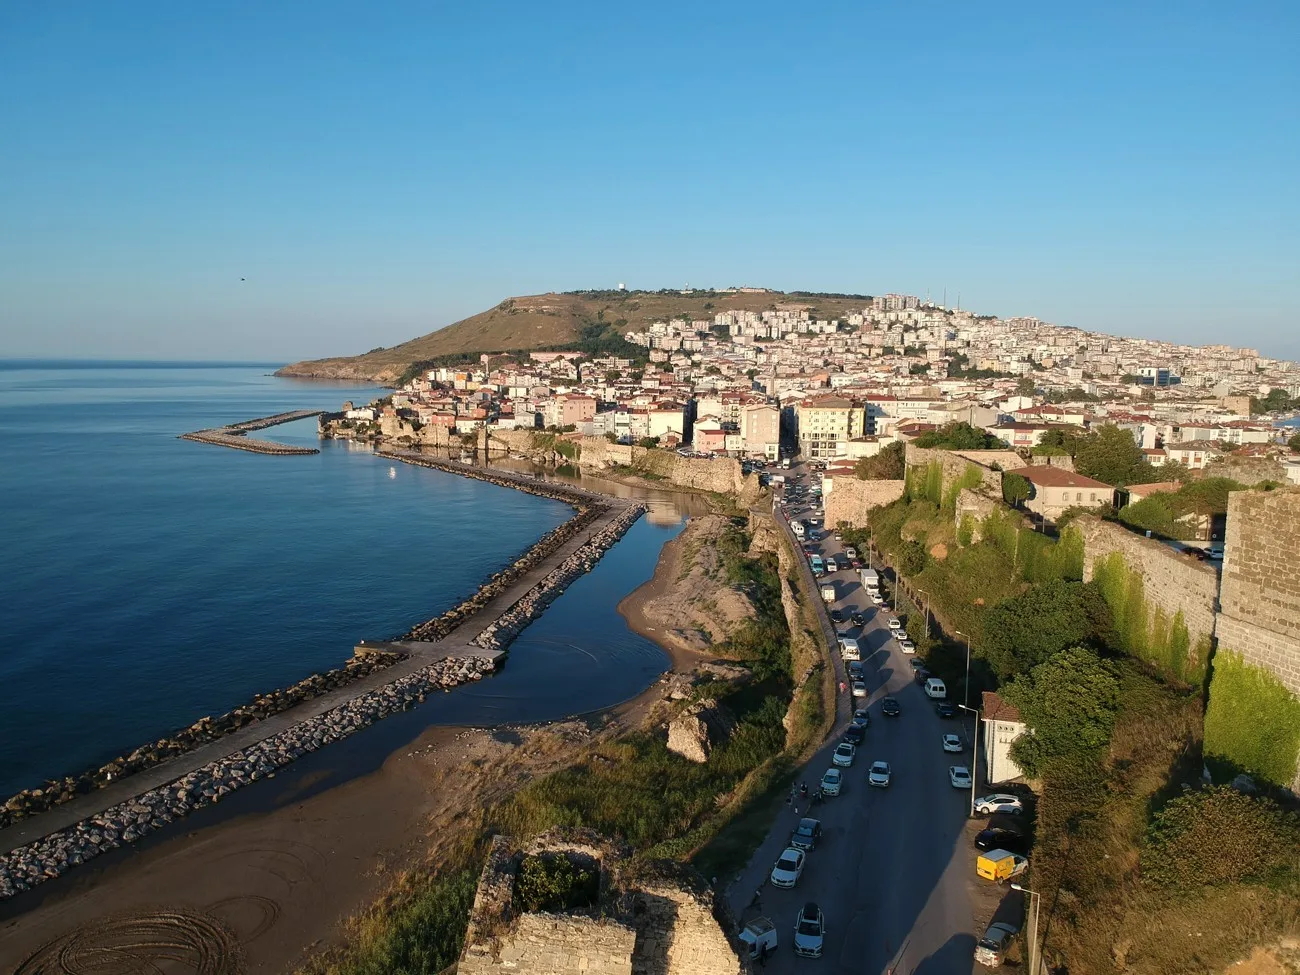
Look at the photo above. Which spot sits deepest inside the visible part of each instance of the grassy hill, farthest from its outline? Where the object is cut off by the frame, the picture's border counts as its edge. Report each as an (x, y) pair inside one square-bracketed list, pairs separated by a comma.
[(583, 319)]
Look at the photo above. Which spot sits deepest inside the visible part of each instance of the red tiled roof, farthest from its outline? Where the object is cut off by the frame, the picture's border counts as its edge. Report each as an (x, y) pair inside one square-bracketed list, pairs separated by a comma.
[(1057, 477), (996, 709)]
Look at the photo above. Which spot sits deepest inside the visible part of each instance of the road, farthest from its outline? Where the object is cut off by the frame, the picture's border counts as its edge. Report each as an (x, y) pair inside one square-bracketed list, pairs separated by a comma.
[(892, 871)]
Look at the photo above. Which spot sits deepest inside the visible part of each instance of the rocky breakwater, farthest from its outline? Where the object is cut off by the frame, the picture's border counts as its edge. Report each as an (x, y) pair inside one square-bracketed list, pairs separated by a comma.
[(502, 632), (52, 855), (208, 729), (234, 435)]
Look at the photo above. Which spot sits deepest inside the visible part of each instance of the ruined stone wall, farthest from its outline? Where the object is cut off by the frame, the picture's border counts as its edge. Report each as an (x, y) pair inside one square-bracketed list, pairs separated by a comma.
[(553, 944), (851, 499), (976, 507), (1260, 599), (1171, 582), (678, 934), (956, 463)]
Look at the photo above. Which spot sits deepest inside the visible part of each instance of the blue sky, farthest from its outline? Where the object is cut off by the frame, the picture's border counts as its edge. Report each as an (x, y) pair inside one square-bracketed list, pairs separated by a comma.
[(378, 170)]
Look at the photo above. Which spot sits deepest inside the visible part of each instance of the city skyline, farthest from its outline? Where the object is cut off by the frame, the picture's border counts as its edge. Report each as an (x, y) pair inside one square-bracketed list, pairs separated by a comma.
[(256, 184)]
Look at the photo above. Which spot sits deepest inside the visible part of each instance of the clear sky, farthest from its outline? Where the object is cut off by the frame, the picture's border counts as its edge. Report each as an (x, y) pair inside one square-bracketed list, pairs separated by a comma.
[(375, 170)]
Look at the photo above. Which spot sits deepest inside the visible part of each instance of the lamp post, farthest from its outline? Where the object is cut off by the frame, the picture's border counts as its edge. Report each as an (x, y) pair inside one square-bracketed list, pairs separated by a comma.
[(1035, 961), (922, 592), (974, 757), (965, 691)]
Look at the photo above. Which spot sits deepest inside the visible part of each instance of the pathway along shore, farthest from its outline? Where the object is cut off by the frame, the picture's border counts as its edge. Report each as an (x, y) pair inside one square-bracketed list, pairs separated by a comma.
[(44, 846)]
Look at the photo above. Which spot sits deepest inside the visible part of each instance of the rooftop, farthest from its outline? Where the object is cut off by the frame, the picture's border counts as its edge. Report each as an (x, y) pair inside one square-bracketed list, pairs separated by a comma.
[(1057, 477)]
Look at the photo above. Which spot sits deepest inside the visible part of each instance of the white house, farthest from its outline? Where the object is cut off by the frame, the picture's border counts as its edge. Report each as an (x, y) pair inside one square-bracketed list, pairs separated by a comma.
[(1002, 726)]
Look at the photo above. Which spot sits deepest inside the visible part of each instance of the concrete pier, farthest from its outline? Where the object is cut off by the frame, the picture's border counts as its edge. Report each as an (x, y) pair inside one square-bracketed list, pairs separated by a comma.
[(234, 434)]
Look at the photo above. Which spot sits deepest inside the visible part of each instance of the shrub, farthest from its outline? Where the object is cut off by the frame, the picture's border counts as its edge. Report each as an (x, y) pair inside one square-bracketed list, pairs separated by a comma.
[(1252, 722), (1069, 702), (1219, 836), (554, 884)]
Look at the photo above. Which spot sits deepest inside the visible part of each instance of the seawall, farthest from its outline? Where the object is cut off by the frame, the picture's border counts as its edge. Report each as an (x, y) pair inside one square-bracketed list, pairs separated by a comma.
[(234, 435)]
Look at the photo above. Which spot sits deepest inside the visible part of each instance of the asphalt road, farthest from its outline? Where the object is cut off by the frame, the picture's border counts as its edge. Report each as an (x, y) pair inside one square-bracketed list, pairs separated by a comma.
[(892, 870)]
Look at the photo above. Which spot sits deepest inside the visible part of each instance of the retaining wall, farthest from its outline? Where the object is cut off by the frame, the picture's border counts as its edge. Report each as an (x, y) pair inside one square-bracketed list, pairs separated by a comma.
[(851, 499)]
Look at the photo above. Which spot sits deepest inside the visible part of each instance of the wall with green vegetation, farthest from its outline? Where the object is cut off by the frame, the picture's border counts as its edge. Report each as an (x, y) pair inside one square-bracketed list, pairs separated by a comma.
[(1252, 723)]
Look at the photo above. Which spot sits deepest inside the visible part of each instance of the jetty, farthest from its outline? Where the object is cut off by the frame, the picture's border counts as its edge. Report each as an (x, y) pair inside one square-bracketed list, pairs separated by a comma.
[(235, 435)]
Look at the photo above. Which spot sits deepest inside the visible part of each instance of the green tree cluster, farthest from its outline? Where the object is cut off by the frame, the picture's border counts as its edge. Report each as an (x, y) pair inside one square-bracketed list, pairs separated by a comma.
[(888, 465), (959, 435), (1277, 401), (1025, 631), (553, 884), (1174, 514), (1069, 702)]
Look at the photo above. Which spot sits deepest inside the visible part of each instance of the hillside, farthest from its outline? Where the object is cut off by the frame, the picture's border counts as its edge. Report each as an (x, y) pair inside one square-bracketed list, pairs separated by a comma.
[(559, 320)]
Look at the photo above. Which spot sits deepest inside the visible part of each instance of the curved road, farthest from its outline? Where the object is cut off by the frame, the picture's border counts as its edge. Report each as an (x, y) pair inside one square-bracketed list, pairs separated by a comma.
[(891, 872)]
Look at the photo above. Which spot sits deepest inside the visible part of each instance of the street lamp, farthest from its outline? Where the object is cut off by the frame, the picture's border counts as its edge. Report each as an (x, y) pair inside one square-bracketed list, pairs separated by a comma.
[(922, 592), (974, 756), (965, 691), (1034, 959)]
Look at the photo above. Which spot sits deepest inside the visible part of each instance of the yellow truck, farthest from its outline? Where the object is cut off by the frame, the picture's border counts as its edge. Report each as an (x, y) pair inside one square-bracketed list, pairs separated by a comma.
[(1000, 865)]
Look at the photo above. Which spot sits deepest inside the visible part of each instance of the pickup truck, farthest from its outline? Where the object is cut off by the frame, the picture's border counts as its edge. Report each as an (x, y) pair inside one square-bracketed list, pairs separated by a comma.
[(758, 933)]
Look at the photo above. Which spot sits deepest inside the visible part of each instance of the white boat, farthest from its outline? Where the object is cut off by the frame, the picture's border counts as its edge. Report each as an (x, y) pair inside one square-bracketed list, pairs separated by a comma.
[(392, 472)]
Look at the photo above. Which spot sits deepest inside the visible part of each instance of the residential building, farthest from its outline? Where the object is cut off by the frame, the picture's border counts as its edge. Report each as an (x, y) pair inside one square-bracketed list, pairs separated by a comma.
[(1052, 490), (1002, 726)]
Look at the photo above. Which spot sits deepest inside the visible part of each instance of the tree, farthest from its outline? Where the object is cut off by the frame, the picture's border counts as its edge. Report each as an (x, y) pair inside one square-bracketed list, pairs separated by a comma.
[(1111, 455), (1025, 386), (1069, 702), (912, 558), (1022, 632), (1015, 489), (888, 465), (959, 435), (648, 442), (1294, 443)]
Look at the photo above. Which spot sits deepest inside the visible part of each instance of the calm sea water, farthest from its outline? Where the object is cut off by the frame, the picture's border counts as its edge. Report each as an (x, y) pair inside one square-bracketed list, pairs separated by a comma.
[(149, 581)]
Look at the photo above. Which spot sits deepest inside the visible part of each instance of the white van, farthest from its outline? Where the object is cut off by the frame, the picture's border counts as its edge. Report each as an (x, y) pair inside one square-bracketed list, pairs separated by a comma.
[(935, 690), (797, 528), (849, 649)]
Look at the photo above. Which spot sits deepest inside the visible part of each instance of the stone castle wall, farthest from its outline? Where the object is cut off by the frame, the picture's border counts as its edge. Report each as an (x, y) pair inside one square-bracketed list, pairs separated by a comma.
[(851, 499), (1172, 582), (976, 507), (955, 464), (1260, 601)]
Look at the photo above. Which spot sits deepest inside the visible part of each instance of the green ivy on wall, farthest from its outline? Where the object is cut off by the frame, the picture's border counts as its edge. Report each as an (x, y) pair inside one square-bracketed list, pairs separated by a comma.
[(1253, 721), (1145, 631)]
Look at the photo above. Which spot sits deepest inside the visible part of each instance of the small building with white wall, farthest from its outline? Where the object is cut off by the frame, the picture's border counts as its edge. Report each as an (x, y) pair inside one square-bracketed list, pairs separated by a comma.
[(1002, 726)]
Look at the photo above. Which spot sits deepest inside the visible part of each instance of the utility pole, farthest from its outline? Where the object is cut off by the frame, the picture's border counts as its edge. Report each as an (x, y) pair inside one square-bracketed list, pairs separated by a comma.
[(975, 757), (1035, 952), (965, 691), (926, 608)]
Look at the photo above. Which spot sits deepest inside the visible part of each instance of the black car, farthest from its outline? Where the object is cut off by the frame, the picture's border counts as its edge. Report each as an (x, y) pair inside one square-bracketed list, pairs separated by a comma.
[(854, 733), (855, 669), (837, 616), (1001, 839), (945, 710), (889, 707), (917, 663), (859, 619), (862, 716), (806, 834), (921, 676)]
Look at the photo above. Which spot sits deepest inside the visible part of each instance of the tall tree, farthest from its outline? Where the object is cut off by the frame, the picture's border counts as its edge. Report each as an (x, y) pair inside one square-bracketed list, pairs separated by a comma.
[(888, 465), (1111, 455), (1022, 632)]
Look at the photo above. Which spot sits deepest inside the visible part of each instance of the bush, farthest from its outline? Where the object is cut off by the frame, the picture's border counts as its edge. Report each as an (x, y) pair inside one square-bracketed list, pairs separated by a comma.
[(554, 884), (1219, 836), (1069, 703), (1022, 632), (888, 465), (1252, 722)]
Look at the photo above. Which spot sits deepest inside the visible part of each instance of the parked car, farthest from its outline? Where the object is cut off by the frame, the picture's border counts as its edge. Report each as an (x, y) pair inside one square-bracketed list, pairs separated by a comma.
[(889, 707), (906, 645), (991, 950), (998, 802), (951, 743), (935, 689), (832, 566), (863, 715), (850, 551), (831, 782), (859, 619), (879, 775), (837, 616), (844, 754), (788, 867), (860, 688), (876, 598), (855, 669), (806, 834), (999, 838), (758, 934), (855, 732), (809, 932), (945, 710), (921, 676), (895, 623), (1000, 865), (959, 776)]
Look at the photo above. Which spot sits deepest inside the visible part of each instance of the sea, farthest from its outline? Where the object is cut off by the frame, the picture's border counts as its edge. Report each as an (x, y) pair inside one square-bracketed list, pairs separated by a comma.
[(149, 581)]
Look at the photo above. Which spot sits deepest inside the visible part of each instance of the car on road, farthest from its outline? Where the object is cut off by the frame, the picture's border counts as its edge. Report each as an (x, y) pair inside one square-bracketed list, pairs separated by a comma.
[(879, 775), (998, 802), (855, 563), (895, 623), (862, 715), (935, 689), (860, 688), (906, 645), (809, 931), (844, 754), (889, 707), (806, 834), (831, 782), (951, 743), (917, 663), (1000, 865), (788, 867), (758, 934), (855, 732), (837, 616), (855, 669), (832, 566), (850, 552), (959, 776), (876, 598), (858, 619), (921, 676), (945, 710), (1000, 838)]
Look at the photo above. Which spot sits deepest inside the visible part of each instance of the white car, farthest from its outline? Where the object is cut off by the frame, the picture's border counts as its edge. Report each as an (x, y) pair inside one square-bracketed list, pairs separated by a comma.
[(809, 932), (879, 774), (895, 623), (951, 743), (831, 566), (788, 868), (850, 552), (876, 598), (906, 645), (859, 688), (831, 782), (998, 803), (959, 776), (844, 754)]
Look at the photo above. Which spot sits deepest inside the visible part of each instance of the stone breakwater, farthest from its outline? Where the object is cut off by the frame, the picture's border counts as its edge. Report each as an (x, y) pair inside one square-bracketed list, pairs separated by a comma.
[(233, 435), (52, 855), (501, 633), (208, 729)]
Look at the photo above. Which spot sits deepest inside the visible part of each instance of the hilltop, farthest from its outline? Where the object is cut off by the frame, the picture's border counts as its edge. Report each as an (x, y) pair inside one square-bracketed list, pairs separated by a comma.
[(593, 320)]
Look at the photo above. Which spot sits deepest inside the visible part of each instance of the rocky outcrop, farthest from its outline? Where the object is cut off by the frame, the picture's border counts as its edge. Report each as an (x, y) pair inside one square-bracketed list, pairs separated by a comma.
[(699, 729), (30, 865)]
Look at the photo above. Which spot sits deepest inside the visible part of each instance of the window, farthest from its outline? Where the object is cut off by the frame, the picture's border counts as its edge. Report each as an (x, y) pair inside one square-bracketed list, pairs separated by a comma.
[(1092, 496), (1078, 496)]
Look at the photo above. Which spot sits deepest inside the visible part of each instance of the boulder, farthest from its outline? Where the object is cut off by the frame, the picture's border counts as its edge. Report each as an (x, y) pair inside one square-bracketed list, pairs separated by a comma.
[(699, 729)]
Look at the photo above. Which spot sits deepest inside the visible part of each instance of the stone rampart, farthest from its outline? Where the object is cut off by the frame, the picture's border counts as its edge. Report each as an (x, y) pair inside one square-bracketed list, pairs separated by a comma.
[(976, 507), (1158, 587), (851, 499), (956, 463)]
